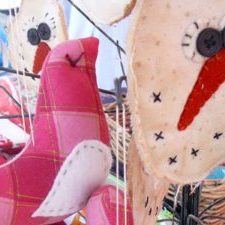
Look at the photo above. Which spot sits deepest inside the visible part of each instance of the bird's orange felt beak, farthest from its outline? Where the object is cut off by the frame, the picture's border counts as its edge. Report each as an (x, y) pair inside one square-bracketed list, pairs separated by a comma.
[(42, 51), (209, 80)]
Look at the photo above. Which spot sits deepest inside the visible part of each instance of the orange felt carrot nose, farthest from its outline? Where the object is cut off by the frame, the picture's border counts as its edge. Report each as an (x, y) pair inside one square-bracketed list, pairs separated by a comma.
[(42, 51), (209, 80)]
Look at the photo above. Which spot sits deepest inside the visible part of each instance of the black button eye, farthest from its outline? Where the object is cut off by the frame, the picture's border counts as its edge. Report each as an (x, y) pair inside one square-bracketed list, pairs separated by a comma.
[(209, 42), (44, 31), (33, 36)]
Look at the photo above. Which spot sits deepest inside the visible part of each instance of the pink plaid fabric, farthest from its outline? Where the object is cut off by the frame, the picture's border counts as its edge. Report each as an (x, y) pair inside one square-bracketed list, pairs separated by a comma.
[(102, 207), (68, 111)]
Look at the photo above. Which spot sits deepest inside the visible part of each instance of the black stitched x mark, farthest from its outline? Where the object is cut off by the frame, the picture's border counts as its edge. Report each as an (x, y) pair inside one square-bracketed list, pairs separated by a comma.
[(217, 135), (173, 160), (146, 202), (159, 136), (195, 152), (157, 97)]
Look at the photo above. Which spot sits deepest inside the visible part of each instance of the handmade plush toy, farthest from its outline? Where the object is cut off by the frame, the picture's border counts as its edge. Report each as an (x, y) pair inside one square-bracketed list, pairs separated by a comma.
[(37, 28), (33, 32), (175, 83), (176, 87), (69, 158)]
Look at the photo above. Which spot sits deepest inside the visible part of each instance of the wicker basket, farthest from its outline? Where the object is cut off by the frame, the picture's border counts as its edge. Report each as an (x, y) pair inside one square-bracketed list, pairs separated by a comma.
[(213, 192)]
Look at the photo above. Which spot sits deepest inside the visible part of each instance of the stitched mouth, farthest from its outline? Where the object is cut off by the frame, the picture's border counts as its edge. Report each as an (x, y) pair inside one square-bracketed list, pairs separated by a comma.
[(211, 77), (42, 51)]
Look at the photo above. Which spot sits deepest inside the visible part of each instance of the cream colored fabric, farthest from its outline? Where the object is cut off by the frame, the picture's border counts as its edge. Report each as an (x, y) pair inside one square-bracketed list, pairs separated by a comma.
[(159, 65), (146, 190), (162, 76), (31, 14)]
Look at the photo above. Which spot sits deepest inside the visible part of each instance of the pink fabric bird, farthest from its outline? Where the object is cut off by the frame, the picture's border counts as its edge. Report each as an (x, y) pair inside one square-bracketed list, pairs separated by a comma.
[(54, 176)]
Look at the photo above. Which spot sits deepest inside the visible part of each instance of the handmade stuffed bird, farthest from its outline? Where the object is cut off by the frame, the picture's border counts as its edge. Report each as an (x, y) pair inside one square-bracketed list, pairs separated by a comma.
[(69, 157)]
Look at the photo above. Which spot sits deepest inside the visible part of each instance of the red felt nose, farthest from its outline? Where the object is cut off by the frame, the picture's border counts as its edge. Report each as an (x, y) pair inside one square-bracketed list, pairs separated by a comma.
[(209, 80), (42, 51)]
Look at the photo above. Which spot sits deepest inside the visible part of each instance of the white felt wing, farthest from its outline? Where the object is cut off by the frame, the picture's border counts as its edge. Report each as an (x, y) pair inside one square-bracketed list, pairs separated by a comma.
[(107, 12), (84, 170)]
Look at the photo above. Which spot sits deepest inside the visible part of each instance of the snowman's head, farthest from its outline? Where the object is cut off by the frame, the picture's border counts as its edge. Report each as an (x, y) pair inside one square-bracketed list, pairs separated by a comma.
[(176, 83), (36, 29), (177, 87)]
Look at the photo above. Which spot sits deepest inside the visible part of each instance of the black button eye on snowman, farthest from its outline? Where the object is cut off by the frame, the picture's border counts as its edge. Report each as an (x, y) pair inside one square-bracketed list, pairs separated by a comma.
[(203, 39), (210, 41), (43, 32), (33, 36)]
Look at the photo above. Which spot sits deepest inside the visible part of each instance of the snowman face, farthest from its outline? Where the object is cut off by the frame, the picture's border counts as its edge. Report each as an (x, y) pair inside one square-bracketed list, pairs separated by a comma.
[(177, 88), (39, 26)]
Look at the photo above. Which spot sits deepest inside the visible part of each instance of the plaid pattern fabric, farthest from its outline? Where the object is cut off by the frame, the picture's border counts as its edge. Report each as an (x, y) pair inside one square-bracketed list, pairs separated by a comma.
[(64, 90), (102, 207)]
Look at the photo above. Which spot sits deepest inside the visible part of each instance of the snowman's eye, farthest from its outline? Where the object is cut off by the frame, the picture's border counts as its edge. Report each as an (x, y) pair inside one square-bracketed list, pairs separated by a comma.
[(44, 31), (209, 42), (33, 37), (192, 38)]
